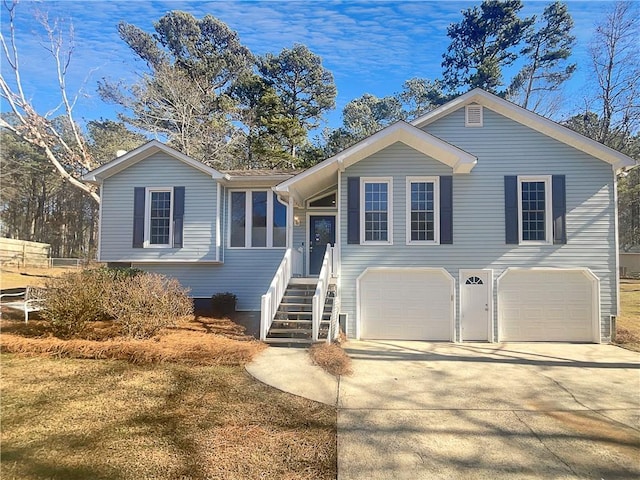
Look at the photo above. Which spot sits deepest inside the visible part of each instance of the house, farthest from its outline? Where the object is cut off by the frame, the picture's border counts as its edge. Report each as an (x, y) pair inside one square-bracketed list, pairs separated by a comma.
[(480, 221)]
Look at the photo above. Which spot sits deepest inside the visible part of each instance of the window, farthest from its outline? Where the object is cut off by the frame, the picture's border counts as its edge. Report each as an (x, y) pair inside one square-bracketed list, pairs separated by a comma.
[(376, 216), (158, 217), (534, 209), (257, 220), (423, 210), (326, 201)]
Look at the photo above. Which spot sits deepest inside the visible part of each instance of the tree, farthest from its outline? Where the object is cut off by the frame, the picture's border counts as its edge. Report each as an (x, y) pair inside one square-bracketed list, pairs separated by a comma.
[(368, 114), (615, 56), (546, 51), (106, 137), (66, 150), (483, 43), (305, 88), (421, 95), (185, 94)]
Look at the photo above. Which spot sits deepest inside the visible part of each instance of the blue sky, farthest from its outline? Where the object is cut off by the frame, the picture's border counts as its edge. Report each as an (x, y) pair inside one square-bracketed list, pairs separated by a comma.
[(370, 47)]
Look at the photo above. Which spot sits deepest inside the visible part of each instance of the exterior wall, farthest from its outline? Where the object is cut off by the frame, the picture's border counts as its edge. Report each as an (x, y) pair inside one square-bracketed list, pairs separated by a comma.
[(245, 272), (159, 170), (503, 147)]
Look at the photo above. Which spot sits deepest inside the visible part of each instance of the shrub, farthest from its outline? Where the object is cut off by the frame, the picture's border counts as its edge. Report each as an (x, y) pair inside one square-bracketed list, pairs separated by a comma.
[(144, 304), (74, 299), (223, 304)]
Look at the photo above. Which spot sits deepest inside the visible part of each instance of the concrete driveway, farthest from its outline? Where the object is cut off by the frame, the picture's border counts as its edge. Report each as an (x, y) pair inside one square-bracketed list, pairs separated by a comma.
[(417, 410)]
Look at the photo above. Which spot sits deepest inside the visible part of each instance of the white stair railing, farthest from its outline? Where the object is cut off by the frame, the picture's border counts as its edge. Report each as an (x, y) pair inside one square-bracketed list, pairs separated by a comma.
[(320, 294), (271, 300)]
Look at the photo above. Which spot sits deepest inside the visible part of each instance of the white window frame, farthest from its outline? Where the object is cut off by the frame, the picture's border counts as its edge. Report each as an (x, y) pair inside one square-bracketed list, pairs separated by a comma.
[(147, 217), (322, 195), (389, 182), (436, 210), (248, 227), (548, 209)]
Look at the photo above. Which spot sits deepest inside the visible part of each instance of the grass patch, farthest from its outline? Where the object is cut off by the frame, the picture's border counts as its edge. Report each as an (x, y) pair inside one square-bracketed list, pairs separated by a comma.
[(202, 341), (331, 357), (628, 322), (77, 419)]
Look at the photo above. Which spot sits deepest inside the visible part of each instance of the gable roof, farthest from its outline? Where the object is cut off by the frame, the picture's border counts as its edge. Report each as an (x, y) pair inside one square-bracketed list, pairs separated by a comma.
[(532, 120), (144, 151), (324, 174)]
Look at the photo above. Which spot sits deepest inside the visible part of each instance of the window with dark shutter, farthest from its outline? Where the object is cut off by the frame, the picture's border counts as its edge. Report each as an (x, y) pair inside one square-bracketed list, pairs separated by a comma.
[(446, 209), (353, 210), (558, 194), (511, 209), (138, 216)]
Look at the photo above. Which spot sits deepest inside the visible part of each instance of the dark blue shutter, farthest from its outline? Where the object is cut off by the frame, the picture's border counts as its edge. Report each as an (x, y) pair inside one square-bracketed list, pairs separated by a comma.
[(511, 209), (446, 209), (353, 210), (559, 206), (178, 215), (138, 217)]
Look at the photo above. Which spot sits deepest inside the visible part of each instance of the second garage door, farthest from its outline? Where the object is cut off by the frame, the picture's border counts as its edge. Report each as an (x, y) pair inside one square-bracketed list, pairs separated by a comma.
[(548, 305), (406, 304)]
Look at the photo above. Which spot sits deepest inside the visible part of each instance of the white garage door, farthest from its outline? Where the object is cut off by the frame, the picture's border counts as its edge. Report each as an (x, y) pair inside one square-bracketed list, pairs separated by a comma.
[(406, 304), (548, 305)]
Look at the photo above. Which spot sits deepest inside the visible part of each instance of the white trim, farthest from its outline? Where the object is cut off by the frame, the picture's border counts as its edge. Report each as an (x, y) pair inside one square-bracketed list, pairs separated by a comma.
[(588, 273), (339, 232), (218, 220), (532, 120), (248, 209), (142, 152), (99, 252), (436, 210), (317, 213), (323, 175), (444, 272), (617, 242), (139, 261), (464, 272), (322, 195), (469, 124), (389, 182), (548, 209), (148, 191)]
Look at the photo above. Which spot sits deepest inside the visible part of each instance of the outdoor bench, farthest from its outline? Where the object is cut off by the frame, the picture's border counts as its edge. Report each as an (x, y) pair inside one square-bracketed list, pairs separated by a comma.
[(31, 300)]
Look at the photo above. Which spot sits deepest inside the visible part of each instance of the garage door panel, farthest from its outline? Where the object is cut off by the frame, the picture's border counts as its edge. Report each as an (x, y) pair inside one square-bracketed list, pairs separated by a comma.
[(405, 304), (546, 305)]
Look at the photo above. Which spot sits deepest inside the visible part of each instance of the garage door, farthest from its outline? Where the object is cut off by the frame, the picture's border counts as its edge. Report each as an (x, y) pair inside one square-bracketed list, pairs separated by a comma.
[(548, 305), (406, 304)]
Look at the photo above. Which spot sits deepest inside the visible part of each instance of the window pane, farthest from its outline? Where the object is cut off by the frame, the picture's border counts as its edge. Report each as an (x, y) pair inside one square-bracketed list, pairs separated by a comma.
[(422, 211), (259, 219), (279, 223), (238, 219), (376, 226), (160, 218), (533, 211)]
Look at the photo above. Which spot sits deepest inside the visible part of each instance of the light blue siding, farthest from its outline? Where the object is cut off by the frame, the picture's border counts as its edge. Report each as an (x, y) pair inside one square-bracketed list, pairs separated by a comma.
[(503, 147), (247, 273), (159, 170)]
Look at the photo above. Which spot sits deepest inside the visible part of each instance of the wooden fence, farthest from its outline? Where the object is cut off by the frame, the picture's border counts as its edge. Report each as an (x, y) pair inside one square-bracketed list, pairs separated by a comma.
[(24, 254)]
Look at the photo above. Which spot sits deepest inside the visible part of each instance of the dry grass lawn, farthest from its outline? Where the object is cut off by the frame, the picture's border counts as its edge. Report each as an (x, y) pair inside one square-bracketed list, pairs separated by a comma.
[(628, 321), (95, 419), (332, 358)]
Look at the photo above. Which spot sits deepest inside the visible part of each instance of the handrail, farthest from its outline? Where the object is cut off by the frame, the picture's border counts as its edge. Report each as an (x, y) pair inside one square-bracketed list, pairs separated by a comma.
[(320, 294), (271, 300)]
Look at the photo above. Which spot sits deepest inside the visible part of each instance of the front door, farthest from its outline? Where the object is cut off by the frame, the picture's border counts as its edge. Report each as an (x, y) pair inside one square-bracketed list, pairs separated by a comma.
[(476, 300), (322, 230)]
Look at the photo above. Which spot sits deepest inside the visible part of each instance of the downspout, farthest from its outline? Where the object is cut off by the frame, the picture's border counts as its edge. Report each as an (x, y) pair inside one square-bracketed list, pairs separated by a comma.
[(617, 272)]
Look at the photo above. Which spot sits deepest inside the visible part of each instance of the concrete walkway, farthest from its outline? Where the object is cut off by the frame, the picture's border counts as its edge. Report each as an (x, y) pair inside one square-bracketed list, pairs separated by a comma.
[(414, 410)]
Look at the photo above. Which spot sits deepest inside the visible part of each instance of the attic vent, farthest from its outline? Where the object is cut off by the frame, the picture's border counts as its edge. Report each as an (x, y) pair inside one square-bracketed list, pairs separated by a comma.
[(473, 116)]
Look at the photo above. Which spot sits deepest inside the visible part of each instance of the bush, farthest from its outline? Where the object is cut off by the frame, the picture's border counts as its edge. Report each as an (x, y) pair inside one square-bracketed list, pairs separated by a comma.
[(144, 304), (223, 304), (74, 299)]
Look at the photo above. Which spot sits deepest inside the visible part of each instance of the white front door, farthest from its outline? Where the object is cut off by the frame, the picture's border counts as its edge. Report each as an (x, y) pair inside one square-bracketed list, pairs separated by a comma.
[(476, 300)]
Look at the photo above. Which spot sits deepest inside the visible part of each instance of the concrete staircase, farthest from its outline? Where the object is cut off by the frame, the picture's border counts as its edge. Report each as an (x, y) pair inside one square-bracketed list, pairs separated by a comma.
[(292, 324)]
